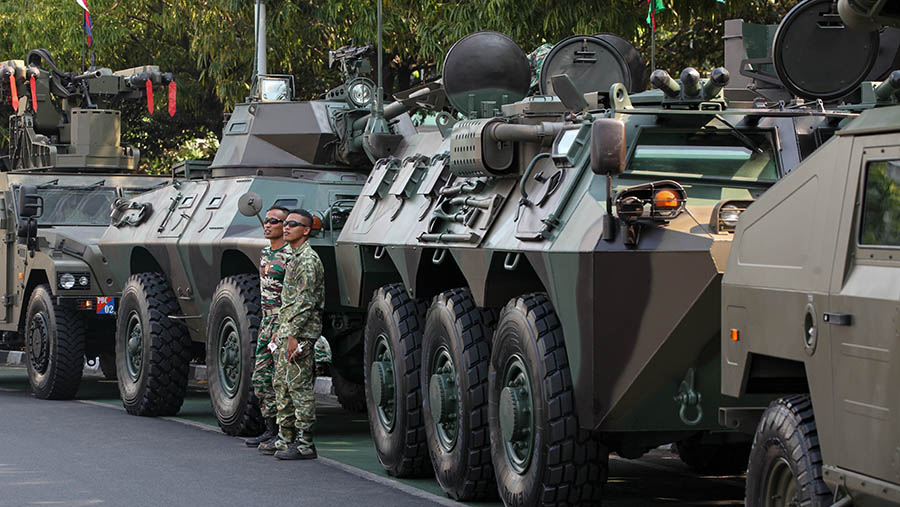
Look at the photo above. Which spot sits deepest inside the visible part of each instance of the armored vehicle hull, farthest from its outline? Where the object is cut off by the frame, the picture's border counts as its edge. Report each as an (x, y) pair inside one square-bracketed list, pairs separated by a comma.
[(809, 303), (64, 169), (205, 254), (556, 278)]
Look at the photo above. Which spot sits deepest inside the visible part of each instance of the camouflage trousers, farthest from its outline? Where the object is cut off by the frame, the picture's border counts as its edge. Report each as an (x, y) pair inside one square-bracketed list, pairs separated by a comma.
[(264, 369), (294, 382)]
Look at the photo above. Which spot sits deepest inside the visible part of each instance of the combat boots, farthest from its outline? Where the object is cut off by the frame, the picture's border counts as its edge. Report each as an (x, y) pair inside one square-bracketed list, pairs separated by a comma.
[(301, 448), (270, 433), (270, 446)]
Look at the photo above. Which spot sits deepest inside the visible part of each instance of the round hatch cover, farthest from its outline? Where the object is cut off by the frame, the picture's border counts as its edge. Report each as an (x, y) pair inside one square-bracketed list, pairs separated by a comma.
[(817, 57), (594, 63), (482, 68)]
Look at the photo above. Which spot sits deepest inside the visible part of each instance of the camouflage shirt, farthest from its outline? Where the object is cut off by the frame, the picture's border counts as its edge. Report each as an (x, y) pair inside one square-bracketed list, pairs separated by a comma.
[(272, 265), (303, 298)]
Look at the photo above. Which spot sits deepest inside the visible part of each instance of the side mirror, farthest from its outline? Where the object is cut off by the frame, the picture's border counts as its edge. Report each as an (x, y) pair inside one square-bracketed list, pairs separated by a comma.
[(29, 203), (608, 146), (250, 204)]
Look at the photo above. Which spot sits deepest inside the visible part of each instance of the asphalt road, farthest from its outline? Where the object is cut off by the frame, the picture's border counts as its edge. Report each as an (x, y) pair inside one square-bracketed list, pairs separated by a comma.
[(89, 451)]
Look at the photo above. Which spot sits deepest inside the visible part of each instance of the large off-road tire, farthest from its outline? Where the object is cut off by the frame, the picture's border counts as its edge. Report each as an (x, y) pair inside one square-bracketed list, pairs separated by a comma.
[(352, 396), (456, 352), (541, 456), (707, 456), (54, 345), (786, 462), (234, 319), (153, 352), (393, 354)]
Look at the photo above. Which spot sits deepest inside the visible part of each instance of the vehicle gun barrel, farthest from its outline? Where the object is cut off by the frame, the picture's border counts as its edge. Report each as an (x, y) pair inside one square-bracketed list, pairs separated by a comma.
[(87, 75), (690, 81), (717, 80), (662, 80), (542, 133), (889, 87), (396, 108)]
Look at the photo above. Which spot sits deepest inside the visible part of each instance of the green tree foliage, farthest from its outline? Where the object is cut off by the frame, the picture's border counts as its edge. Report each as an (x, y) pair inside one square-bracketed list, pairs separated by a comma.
[(208, 44)]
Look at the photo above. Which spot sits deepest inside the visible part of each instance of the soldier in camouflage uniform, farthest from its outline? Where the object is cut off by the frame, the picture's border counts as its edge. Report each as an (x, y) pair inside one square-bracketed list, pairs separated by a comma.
[(272, 262), (535, 62), (303, 300)]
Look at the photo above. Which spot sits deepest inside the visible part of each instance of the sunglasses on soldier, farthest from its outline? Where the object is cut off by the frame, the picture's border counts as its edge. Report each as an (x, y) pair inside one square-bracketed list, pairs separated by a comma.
[(273, 220), (294, 223)]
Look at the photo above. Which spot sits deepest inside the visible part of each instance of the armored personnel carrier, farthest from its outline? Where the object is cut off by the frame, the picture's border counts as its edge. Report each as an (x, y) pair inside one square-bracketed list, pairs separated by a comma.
[(542, 278), (62, 168), (810, 311), (188, 258)]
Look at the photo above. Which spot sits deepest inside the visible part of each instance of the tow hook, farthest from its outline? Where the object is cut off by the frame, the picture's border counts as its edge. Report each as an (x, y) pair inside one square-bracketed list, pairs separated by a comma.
[(688, 398)]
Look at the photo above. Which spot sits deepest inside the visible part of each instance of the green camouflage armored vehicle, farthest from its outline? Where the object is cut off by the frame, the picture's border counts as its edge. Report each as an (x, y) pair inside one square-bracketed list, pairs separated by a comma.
[(542, 278), (63, 166), (187, 258), (810, 308)]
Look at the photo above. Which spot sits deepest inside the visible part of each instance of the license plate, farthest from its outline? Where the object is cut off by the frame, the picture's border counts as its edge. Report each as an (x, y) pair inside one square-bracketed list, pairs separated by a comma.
[(106, 305)]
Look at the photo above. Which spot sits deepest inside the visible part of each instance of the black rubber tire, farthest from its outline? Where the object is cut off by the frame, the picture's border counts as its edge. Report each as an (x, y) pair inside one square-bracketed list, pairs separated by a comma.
[(352, 396), (787, 431), (161, 383), (455, 324), (716, 458), (54, 368), (568, 466), (402, 451), (108, 365), (237, 300)]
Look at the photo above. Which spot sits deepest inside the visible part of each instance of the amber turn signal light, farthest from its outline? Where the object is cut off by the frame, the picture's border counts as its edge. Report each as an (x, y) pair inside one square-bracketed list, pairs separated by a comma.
[(665, 199), (735, 335), (317, 223)]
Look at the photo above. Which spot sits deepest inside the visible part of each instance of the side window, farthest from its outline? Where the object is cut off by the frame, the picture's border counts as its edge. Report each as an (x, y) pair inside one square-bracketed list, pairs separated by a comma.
[(881, 204)]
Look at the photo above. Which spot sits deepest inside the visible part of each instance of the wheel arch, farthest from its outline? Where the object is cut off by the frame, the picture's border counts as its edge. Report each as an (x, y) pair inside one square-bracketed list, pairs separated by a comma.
[(235, 262), (35, 277), (775, 375), (142, 261)]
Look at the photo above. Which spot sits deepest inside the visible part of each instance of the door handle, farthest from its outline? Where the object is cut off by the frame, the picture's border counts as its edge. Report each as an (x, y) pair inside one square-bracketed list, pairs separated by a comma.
[(837, 319)]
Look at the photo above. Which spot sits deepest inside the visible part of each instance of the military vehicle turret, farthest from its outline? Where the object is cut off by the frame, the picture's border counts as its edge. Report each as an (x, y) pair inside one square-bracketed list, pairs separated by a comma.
[(188, 258), (810, 309), (542, 278), (62, 167)]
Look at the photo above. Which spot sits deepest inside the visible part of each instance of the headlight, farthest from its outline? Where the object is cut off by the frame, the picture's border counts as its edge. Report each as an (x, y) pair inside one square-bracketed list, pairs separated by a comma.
[(66, 281), (274, 89), (79, 281), (361, 93), (727, 214)]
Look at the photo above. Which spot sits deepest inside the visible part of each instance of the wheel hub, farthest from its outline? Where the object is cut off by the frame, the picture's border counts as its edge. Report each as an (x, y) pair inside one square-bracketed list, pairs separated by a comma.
[(516, 414), (134, 357), (229, 357), (39, 342), (782, 489), (444, 399), (381, 379)]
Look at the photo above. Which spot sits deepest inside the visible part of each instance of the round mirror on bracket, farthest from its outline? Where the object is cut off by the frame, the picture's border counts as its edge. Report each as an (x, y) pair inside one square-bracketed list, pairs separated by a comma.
[(594, 63), (250, 204), (483, 71), (817, 57)]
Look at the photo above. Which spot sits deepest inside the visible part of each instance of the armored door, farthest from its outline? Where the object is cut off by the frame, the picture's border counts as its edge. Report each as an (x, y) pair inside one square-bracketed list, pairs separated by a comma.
[(863, 315)]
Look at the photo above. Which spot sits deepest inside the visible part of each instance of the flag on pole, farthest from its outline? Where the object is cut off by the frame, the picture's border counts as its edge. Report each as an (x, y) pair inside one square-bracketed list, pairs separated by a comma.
[(653, 6), (87, 22)]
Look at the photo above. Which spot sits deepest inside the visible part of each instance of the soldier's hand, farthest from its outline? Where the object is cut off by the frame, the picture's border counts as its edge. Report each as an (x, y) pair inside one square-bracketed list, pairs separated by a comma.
[(293, 348)]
